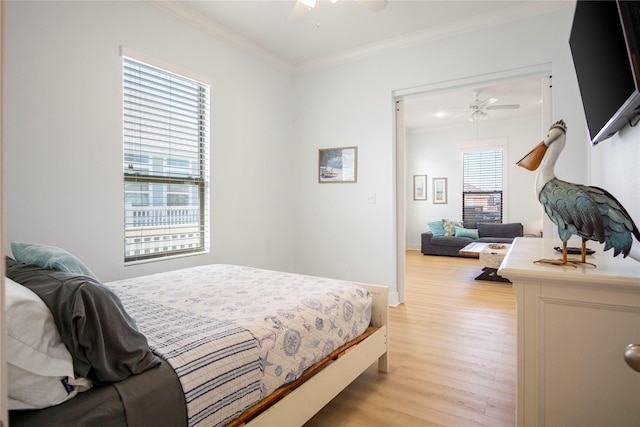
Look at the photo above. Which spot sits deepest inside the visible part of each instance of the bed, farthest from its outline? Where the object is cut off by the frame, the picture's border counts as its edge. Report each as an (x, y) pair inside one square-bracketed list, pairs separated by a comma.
[(216, 354)]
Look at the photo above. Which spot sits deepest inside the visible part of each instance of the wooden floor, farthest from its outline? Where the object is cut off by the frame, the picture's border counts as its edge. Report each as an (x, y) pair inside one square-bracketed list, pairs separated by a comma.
[(452, 354)]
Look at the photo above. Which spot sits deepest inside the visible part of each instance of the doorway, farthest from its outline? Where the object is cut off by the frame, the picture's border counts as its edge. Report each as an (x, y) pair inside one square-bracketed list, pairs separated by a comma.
[(411, 103)]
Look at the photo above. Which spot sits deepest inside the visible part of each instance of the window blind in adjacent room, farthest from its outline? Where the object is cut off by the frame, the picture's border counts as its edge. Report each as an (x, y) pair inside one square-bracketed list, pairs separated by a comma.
[(482, 185)]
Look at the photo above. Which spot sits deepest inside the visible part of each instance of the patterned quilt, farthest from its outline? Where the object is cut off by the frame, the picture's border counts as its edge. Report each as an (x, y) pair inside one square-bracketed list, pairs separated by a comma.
[(235, 334)]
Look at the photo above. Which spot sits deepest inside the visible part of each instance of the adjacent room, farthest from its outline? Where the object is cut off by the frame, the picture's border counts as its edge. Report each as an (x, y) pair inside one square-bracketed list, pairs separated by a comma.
[(441, 128), (267, 171)]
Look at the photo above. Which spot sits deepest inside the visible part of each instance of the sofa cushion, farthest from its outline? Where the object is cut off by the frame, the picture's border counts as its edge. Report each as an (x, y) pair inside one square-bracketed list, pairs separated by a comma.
[(450, 241), (513, 229)]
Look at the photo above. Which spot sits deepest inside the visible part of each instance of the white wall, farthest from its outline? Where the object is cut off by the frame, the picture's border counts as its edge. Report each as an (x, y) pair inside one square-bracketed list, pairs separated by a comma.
[(63, 134), (435, 152), (614, 166)]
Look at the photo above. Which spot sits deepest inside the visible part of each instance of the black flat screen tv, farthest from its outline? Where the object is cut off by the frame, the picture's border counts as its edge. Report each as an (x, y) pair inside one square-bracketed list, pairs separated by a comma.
[(604, 43)]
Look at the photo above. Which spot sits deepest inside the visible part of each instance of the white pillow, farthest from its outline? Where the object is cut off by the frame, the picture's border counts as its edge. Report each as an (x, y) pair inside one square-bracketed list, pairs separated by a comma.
[(40, 368)]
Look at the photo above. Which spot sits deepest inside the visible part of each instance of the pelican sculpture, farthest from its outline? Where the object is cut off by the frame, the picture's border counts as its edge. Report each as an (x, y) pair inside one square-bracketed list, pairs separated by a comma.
[(589, 212)]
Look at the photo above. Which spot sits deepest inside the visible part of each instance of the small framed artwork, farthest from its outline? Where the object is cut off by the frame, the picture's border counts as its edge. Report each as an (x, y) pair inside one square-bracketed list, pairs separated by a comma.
[(338, 165), (439, 190), (419, 187)]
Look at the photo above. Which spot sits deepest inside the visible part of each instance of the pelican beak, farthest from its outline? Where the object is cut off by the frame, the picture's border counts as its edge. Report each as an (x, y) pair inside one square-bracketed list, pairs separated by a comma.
[(532, 160)]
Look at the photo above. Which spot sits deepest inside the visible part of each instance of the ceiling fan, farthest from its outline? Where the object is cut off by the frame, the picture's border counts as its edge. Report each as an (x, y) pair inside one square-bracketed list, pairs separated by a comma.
[(302, 7), (477, 109)]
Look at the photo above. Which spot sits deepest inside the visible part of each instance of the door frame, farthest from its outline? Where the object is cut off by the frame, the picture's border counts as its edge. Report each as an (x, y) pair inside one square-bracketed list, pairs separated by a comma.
[(398, 96)]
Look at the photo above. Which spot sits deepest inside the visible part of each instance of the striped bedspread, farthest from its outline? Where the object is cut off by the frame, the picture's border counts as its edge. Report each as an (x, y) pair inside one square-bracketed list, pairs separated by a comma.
[(235, 334)]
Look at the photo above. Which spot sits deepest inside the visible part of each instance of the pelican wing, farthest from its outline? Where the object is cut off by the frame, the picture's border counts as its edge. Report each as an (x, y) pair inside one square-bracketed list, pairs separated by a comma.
[(573, 210), (589, 212)]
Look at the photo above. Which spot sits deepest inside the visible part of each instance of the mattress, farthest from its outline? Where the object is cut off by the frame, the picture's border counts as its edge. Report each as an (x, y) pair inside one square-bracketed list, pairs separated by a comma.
[(235, 334)]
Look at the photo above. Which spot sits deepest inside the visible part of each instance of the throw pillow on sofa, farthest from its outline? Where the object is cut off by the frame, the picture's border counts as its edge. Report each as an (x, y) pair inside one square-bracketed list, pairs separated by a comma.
[(450, 226), (436, 227), (466, 232)]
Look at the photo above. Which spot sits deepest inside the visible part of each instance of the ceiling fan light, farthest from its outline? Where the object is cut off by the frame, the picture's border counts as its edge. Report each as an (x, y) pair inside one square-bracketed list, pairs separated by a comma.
[(478, 115), (309, 3)]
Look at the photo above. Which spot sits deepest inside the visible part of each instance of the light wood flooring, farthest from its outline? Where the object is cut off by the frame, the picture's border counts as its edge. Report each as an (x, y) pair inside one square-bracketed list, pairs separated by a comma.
[(452, 353)]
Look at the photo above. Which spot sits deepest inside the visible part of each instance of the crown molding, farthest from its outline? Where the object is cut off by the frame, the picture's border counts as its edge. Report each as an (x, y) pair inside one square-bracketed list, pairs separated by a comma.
[(210, 26), (213, 28)]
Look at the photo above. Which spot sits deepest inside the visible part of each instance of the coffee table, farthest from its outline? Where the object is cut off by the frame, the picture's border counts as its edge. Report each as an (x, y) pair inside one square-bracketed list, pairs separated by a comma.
[(473, 249), (490, 259)]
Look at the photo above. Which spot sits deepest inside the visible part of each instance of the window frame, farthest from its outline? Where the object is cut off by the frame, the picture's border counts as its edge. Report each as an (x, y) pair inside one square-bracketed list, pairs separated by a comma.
[(480, 147), (175, 224)]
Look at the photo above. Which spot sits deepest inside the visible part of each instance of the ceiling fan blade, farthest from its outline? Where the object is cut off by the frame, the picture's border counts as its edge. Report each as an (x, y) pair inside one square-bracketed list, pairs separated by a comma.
[(503, 107), (486, 102), (373, 5)]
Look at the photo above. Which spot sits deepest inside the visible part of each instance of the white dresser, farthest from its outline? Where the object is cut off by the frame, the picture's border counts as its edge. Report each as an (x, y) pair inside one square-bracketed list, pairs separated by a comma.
[(573, 327)]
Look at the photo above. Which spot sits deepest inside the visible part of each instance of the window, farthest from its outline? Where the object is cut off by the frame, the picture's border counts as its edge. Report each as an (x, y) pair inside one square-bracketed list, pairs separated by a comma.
[(166, 157), (482, 185)]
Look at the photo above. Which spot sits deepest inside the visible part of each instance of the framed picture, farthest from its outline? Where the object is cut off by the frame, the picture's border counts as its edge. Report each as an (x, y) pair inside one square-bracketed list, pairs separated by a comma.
[(419, 187), (338, 165), (439, 190)]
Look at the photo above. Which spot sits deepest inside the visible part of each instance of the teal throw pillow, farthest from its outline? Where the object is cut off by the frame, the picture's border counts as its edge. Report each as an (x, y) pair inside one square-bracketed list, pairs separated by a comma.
[(46, 256), (466, 232), (436, 227)]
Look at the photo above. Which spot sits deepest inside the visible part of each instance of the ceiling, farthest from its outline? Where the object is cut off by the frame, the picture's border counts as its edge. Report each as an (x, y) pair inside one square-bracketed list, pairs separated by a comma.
[(334, 29), (337, 31)]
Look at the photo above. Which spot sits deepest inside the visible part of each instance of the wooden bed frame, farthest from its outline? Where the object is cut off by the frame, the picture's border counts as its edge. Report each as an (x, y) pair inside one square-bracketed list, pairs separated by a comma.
[(306, 400)]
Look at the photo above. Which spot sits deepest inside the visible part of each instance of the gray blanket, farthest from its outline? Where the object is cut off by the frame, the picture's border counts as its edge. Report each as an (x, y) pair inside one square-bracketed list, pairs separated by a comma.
[(102, 338)]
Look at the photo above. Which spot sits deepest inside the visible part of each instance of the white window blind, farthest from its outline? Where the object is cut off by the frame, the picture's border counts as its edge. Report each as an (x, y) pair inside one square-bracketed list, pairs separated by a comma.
[(166, 158), (482, 186)]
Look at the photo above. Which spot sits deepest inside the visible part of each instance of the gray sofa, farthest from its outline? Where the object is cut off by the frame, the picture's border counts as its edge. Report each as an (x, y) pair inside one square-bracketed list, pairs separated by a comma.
[(487, 232)]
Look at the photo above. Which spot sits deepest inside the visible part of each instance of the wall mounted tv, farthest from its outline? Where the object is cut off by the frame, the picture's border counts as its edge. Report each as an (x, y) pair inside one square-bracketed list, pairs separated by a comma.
[(605, 42)]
